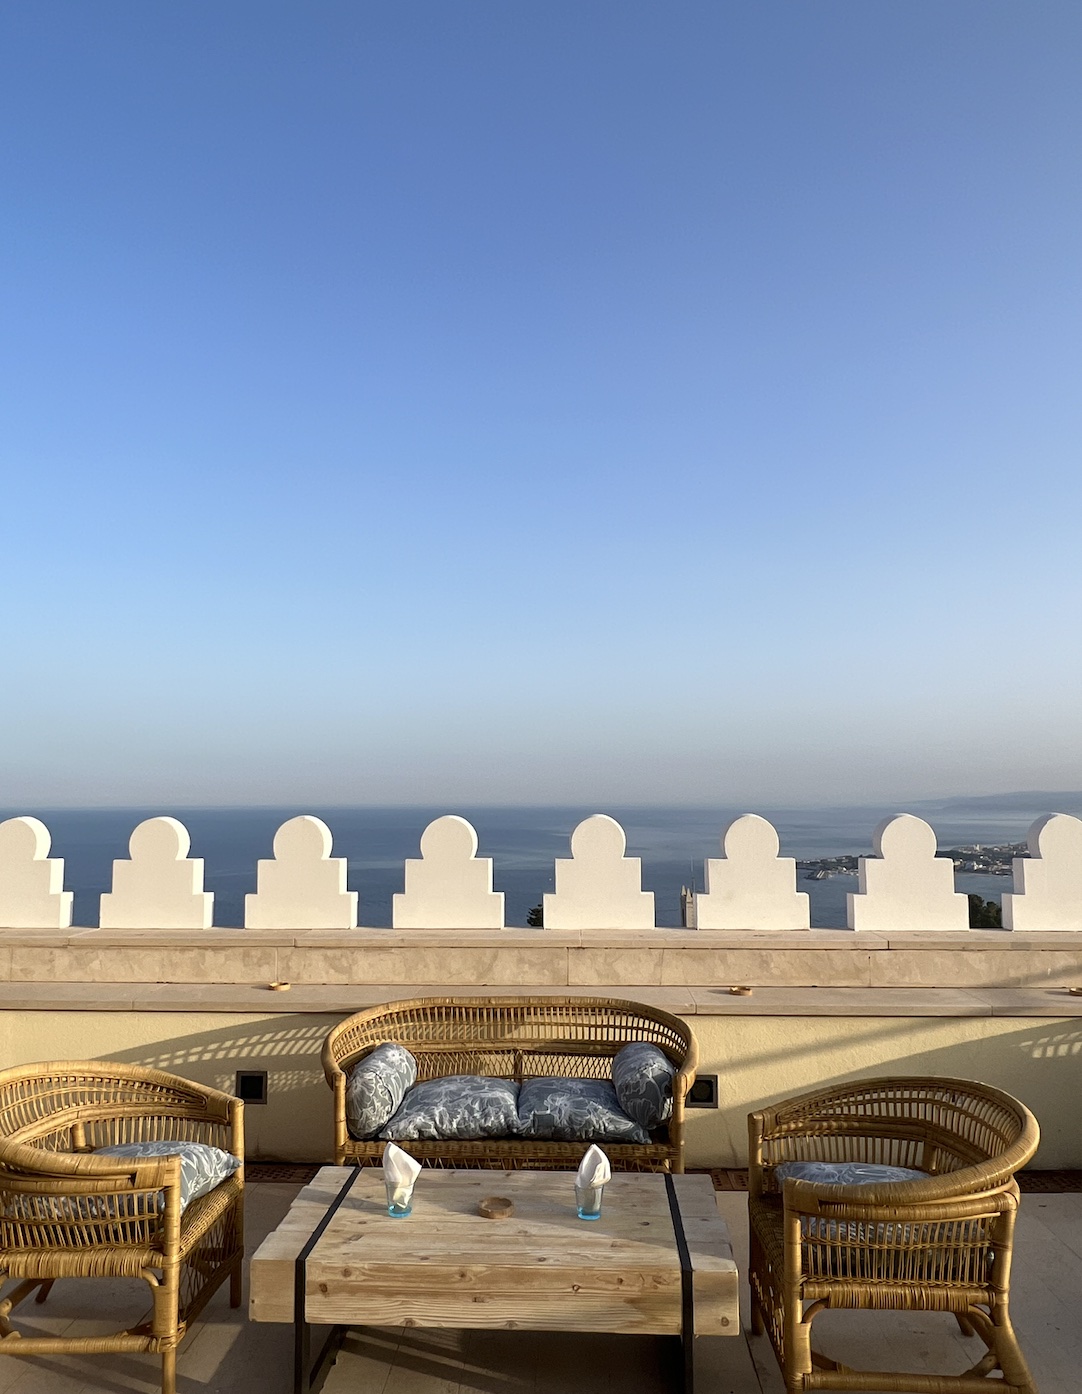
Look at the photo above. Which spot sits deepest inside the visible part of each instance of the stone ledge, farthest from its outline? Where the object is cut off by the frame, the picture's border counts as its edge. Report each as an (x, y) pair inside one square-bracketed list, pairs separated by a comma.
[(368, 936), (332, 1000), (806, 940), (464, 961)]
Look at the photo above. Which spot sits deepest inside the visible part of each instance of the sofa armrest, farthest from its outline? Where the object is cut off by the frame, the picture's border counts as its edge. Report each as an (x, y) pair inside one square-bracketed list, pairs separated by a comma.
[(756, 1130)]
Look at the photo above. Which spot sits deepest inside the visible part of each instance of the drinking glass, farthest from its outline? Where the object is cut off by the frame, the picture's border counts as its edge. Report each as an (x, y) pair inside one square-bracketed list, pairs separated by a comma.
[(588, 1200), (399, 1198)]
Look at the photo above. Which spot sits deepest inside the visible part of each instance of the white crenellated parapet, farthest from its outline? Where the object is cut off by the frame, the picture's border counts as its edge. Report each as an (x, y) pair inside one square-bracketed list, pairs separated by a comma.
[(450, 886), (905, 886), (1048, 883), (598, 887), (32, 894), (750, 886), (159, 886), (302, 886)]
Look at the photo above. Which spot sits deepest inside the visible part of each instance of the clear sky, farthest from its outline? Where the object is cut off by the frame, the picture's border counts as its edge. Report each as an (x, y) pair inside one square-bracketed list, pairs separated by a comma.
[(565, 400)]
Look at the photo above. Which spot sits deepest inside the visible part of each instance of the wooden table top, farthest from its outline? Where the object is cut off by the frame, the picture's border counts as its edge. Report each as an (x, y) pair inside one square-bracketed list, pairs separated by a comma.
[(541, 1269)]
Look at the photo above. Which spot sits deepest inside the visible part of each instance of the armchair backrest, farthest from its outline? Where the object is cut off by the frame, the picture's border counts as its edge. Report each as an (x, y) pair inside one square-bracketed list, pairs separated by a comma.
[(939, 1126), (79, 1106)]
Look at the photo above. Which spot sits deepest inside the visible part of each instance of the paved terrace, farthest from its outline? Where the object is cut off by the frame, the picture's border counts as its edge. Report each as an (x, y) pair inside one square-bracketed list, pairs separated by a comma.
[(225, 1354)]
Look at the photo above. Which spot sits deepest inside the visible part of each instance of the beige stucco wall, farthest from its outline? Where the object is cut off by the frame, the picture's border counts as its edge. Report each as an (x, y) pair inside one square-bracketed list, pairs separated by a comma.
[(757, 1059), (295, 1123)]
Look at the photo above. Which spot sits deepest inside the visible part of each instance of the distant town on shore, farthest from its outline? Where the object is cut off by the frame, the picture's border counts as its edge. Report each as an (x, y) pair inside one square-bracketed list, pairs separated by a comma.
[(980, 858)]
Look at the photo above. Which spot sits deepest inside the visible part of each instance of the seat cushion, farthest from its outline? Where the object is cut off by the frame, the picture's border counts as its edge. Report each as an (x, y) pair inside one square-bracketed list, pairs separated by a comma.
[(376, 1086), (462, 1108), (202, 1167), (845, 1173), (642, 1075), (575, 1110)]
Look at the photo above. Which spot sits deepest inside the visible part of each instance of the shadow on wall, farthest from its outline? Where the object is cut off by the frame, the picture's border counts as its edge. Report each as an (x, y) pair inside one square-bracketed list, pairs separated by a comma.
[(295, 1124), (287, 1046), (1039, 1063)]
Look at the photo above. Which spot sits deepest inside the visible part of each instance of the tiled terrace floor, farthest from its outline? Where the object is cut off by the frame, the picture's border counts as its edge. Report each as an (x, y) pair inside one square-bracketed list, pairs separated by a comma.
[(225, 1354)]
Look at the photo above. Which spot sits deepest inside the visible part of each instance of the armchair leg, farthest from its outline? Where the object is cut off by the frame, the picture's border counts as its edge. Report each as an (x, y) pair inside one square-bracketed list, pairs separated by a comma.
[(995, 1330), (236, 1280), (1009, 1354), (44, 1290), (169, 1370), (798, 1352)]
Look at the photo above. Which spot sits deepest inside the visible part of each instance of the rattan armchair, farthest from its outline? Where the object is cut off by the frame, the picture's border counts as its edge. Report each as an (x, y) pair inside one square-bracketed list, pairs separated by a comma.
[(514, 1038), (940, 1244), (65, 1213)]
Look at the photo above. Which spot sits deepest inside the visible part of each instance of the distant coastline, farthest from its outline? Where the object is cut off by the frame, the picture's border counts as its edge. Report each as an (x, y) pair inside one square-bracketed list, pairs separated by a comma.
[(980, 859)]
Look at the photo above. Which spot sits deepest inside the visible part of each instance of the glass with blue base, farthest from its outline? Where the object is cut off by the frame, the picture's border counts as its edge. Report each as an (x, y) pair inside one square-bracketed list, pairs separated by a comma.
[(399, 1199), (588, 1200)]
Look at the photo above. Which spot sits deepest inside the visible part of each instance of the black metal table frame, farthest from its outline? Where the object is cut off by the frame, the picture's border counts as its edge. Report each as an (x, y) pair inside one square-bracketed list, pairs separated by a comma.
[(309, 1377)]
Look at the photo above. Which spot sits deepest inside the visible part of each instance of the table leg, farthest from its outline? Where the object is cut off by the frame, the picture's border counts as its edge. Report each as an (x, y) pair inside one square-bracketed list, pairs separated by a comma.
[(688, 1344), (308, 1379), (687, 1291)]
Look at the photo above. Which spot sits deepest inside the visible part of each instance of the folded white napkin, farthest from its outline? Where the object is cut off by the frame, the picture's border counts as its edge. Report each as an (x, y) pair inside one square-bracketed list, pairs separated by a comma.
[(594, 1169), (400, 1169)]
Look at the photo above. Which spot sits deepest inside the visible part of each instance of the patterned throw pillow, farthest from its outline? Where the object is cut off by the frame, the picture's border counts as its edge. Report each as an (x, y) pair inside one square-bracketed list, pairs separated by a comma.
[(575, 1110), (202, 1167), (846, 1173), (375, 1088), (459, 1107), (642, 1075)]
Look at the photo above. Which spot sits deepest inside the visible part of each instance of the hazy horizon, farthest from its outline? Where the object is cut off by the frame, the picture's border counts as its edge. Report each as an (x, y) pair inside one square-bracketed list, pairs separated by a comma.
[(1023, 797)]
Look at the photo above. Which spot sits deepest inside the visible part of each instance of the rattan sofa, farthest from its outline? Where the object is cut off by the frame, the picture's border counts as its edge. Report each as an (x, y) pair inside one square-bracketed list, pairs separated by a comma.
[(513, 1038), (65, 1213), (939, 1244)]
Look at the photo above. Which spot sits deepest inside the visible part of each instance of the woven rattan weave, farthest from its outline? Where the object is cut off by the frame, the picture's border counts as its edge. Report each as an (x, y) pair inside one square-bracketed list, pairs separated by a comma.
[(940, 1244), (65, 1213), (515, 1038)]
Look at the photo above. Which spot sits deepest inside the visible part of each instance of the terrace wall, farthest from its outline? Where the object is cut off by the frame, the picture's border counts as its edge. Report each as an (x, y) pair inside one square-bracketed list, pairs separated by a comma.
[(911, 991), (760, 1050)]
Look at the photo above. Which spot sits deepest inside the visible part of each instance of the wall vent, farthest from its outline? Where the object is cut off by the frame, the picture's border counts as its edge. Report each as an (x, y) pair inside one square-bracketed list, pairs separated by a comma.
[(252, 1086), (703, 1093)]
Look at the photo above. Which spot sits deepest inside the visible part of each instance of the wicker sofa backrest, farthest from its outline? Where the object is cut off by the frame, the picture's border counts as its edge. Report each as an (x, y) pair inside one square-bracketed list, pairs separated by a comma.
[(513, 1038)]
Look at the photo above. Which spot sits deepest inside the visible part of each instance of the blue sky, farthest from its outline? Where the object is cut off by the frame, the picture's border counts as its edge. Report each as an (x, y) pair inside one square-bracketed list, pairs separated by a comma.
[(581, 401)]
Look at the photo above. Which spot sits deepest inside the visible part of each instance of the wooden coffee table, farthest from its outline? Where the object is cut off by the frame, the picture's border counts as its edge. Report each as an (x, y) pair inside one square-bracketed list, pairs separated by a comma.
[(658, 1262)]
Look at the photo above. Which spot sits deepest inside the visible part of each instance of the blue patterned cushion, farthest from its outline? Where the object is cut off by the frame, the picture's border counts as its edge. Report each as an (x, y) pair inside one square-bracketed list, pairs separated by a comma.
[(202, 1167), (642, 1075), (575, 1110), (375, 1088), (846, 1173), (459, 1107)]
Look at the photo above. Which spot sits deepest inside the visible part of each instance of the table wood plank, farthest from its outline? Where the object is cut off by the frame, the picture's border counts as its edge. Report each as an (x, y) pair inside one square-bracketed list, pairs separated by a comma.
[(717, 1280), (542, 1269)]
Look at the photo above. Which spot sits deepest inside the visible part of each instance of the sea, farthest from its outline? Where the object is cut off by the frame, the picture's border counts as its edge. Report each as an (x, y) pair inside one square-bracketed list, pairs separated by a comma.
[(672, 843)]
